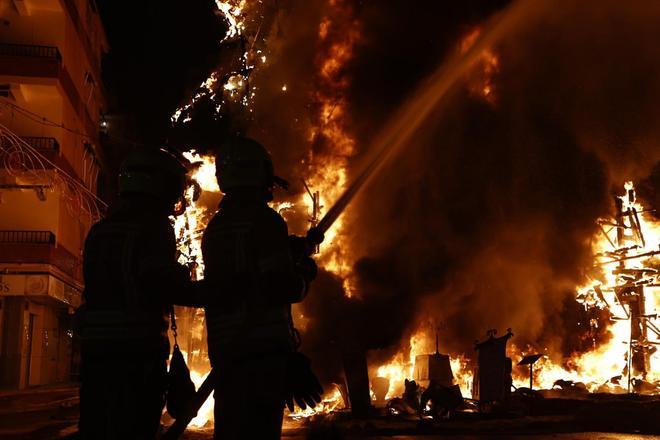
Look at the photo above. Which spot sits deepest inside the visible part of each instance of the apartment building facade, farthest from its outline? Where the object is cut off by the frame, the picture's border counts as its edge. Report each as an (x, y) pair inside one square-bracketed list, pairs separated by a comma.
[(51, 107)]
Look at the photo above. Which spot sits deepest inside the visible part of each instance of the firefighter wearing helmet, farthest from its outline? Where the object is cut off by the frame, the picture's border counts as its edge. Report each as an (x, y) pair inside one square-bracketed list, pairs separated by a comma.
[(132, 279), (254, 278)]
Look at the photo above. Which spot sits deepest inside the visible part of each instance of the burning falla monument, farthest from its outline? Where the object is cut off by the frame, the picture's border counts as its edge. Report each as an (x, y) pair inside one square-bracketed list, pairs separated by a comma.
[(625, 286)]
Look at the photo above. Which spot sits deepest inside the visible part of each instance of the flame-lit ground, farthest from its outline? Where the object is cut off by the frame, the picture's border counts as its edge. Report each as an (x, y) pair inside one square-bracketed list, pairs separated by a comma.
[(52, 414)]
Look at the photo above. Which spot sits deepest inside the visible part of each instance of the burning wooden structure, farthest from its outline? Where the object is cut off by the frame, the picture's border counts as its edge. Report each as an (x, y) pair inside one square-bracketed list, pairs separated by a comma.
[(433, 367), (492, 374), (628, 293), (634, 279), (628, 288)]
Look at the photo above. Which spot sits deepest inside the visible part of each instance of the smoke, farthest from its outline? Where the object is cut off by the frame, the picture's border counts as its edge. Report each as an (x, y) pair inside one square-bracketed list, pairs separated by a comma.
[(488, 214), (484, 221), (282, 118)]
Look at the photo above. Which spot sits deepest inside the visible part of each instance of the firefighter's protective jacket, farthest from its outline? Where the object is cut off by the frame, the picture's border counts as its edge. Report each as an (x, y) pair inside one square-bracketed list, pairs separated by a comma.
[(252, 280), (131, 281)]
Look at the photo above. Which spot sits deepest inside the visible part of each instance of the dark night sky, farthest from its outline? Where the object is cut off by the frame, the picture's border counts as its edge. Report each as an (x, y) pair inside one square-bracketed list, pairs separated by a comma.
[(158, 51)]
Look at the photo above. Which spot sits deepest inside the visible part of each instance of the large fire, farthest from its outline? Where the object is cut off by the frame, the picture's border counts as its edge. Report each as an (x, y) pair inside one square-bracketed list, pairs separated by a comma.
[(624, 280), (401, 367), (626, 261), (327, 167), (625, 285), (189, 227)]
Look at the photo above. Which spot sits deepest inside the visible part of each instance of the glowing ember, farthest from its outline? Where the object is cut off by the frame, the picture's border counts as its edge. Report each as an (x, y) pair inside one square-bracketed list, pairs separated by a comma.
[(480, 82), (233, 87), (233, 12)]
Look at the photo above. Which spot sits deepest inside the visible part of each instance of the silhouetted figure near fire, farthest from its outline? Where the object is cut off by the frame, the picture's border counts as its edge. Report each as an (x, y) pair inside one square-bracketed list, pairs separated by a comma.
[(255, 277), (131, 281)]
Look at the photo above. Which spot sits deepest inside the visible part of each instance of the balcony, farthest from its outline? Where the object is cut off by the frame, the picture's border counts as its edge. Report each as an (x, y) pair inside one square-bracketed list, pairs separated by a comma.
[(44, 145), (27, 237), (29, 50), (50, 149), (30, 60), (38, 247), (32, 64)]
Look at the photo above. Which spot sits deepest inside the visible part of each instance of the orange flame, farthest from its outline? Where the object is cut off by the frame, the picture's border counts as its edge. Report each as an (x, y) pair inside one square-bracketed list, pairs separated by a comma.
[(328, 167), (611, 359), (604, 368), (401, 366)]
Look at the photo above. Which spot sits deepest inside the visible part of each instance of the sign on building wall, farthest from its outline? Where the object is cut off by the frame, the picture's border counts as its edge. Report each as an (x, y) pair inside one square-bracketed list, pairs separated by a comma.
[(39, 285)]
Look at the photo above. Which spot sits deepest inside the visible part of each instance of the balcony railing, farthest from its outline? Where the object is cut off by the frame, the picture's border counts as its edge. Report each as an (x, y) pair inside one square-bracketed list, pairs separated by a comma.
[(43, 144), (30, 50), (38, 247), (27, 237)]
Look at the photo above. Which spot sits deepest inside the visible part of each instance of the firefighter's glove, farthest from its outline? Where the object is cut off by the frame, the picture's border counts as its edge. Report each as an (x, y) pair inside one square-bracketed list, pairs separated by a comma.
[(315, 236), (300, 248), (302, 388)]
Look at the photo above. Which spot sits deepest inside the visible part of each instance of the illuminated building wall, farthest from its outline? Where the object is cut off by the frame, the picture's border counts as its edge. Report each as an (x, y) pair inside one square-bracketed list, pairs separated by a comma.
[(52, 97)]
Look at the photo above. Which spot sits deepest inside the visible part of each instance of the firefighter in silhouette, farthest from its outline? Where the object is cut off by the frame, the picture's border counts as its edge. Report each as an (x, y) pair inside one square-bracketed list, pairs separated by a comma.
[(254, 277), (131, 281)]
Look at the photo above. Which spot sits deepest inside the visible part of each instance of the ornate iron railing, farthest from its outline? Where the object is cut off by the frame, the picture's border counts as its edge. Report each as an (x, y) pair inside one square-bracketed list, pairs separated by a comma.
[(26, 162)]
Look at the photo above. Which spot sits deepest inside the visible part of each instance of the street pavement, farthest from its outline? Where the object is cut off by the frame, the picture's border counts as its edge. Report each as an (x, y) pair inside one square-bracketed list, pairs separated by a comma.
[(52, 413), (205, 435), (38, 413)]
